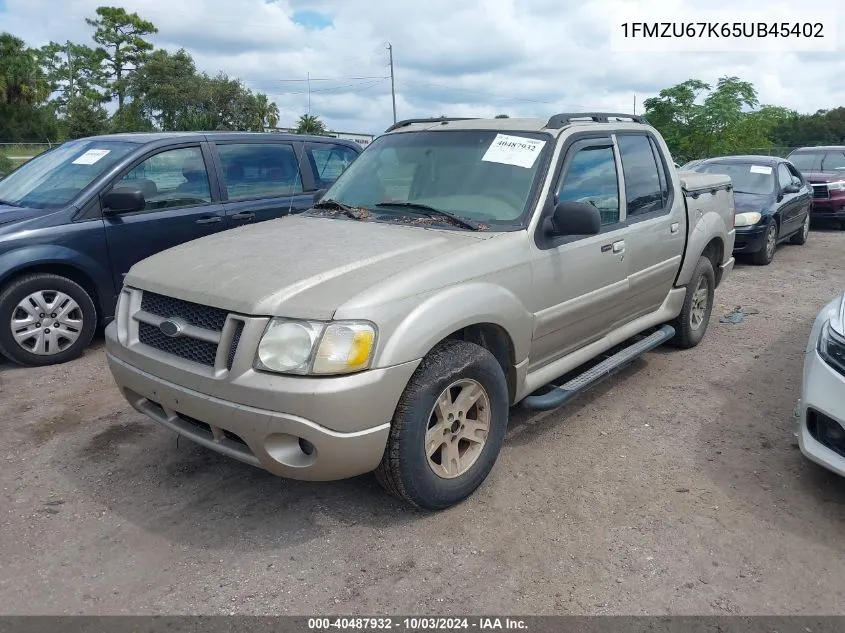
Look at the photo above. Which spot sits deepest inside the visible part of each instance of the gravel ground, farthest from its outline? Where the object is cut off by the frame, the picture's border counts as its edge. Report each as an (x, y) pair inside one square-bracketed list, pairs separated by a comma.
[(674, 488)]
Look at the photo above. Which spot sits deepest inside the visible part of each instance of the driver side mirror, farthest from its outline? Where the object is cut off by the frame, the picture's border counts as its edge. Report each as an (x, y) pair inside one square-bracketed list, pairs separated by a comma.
[(318, 195), (574, 218), (791, 188), (127, 200)]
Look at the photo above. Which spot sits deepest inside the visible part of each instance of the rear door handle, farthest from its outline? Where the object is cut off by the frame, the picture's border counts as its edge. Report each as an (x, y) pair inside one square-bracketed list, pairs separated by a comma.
[(214, 219), (245, 215)]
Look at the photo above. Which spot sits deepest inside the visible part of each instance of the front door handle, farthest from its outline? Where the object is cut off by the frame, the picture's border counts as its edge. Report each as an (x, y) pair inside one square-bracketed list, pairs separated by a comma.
[(244, 215), (673, 228), (214, 219), (619, 246)]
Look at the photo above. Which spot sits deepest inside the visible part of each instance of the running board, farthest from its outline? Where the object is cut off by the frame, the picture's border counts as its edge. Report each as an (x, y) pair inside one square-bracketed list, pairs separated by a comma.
[(559, 396)]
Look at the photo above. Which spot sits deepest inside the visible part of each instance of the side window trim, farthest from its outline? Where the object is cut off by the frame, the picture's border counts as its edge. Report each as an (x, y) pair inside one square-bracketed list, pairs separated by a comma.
[(210, 172), (661, 167)]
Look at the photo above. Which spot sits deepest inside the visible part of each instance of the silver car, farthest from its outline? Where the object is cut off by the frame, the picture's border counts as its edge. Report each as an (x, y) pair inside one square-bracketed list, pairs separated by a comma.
[(820, 413)]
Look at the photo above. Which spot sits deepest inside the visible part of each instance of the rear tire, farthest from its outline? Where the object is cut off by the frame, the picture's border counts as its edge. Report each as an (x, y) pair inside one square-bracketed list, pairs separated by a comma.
[(691, 324), (800, 238), (765, 255), (63, 320), (440, 450)]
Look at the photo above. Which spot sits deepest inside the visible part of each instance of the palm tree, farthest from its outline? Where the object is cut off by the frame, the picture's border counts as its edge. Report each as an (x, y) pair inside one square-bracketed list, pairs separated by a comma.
[(268, 111), (310, 124)]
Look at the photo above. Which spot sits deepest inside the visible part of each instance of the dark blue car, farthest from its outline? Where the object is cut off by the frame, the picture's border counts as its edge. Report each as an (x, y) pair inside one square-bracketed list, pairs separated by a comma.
[(772, 199), (74, 219)]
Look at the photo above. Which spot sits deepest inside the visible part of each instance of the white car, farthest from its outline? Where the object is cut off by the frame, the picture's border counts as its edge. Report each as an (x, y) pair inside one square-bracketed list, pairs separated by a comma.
[(820, 413)]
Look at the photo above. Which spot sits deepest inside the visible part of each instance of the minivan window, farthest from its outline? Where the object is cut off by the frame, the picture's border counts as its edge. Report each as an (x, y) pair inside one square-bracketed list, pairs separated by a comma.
[(172, 178), (643, 190), (329, 160), (55, 178), (259, 170), (480, 175)]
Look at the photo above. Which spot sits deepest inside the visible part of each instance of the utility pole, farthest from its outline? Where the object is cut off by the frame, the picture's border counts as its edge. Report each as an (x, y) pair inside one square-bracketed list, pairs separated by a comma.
[(69, 71), (309, 93), (392, 84), (635, 104)]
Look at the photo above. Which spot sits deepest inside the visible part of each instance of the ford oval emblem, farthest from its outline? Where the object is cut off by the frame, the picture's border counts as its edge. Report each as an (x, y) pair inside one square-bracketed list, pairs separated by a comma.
[(172, 327)]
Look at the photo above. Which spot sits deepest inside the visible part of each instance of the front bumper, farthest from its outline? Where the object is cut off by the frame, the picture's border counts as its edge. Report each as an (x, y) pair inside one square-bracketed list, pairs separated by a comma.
[(832, 208), (750, 239), (316, 430), (822, 402)]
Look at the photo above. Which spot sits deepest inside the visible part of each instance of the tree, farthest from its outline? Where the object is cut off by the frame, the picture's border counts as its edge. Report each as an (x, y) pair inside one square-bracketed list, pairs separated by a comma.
[(24, 90), (73, 70), (122, 46), (85, 117), (268, 111), (166, 88), (502, 116), (310, 124)]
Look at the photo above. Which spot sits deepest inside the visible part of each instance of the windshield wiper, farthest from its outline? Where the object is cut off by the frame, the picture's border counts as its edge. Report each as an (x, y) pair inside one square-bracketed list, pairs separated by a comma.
[(355, 214), (433, 212), (9, 203)]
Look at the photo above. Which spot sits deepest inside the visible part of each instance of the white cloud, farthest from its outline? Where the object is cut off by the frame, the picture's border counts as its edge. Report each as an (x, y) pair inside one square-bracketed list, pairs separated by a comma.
[(526, 57)]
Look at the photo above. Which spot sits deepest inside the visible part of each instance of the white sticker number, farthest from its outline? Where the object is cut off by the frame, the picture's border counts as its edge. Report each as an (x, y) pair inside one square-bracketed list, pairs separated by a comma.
[(513, 150), (91, 156), (761, 169)]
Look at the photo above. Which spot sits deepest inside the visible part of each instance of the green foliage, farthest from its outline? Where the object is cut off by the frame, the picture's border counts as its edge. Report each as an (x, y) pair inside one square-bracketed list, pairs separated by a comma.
[(122, 46), (73, 70), (6, 165), (502, 116), (85, 118), (310, 124)]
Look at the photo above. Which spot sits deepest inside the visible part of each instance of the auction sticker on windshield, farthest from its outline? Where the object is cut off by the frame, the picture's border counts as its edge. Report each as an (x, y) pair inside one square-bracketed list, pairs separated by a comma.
[(91, 156), (761, 169), (513, 150)]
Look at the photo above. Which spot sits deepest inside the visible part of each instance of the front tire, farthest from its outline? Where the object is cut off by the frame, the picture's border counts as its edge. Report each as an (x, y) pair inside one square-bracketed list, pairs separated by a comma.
[(45, 319), (800, 238), (448, 428), (764, 256), (691, 324)]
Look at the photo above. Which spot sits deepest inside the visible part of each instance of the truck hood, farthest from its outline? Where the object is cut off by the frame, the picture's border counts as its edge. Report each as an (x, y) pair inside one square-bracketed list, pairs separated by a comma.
[(824, 176), (297, 266)]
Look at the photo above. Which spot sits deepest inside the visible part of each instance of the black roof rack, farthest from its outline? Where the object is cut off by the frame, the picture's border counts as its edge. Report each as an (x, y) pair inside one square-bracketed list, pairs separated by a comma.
[(442, 119), (561, 120)]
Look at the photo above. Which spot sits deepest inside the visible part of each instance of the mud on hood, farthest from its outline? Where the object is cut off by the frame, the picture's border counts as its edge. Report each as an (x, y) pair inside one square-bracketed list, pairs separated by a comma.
[(298, 266)]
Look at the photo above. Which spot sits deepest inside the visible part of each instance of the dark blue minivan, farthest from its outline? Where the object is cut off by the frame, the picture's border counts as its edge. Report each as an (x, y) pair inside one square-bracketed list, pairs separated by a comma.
[(74, 219)]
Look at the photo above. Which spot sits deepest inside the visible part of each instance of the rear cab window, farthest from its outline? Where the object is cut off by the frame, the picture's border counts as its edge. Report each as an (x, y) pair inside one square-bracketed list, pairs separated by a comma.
[(254, 171), (646, 191)]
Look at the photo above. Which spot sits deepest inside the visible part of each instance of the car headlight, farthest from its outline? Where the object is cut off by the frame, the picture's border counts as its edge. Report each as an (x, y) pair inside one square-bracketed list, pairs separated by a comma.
[(831, 347), (316, 348), (839, 185), (747, 219)]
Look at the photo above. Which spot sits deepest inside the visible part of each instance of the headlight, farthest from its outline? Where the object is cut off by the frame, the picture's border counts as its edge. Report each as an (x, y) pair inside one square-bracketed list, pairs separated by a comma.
[(312, 347), (747, 219), (839, 185), (832, 348)]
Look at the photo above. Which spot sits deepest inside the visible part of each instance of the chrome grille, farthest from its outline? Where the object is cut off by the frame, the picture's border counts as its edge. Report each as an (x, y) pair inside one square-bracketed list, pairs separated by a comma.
[(820, 192), (199, 315), (185, 347)]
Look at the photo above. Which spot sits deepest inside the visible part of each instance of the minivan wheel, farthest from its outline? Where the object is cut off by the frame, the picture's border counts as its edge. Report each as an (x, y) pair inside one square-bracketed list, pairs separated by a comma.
[(448, 427), (691, 324), (45, 319)]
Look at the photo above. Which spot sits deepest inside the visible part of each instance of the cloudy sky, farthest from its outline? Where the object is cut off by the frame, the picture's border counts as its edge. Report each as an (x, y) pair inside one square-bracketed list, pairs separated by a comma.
[(471, 58)]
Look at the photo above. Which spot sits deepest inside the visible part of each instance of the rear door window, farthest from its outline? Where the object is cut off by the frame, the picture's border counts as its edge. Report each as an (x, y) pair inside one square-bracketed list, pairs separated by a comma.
[(259, 170), (329, 160), (643, 189)]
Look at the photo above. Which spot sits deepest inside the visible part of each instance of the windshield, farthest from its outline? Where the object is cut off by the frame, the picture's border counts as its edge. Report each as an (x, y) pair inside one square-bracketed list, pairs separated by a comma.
[(808, 161), (53, 179), (746, 177), (481, 176)]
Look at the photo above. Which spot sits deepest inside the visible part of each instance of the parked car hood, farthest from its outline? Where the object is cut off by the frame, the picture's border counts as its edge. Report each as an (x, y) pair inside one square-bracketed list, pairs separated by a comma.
[(838, 320), (10, 213), (824, 176), (298, 266), (761, 202)]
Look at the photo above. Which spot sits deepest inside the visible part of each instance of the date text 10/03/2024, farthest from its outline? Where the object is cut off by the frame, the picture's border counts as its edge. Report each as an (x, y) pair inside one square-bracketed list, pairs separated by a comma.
[(722, 29), (416, 624)]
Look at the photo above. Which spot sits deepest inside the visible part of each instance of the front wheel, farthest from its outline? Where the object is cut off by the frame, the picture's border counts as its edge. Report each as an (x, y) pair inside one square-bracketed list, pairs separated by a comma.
[(45, 319), (691, 324), (448, 427)]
